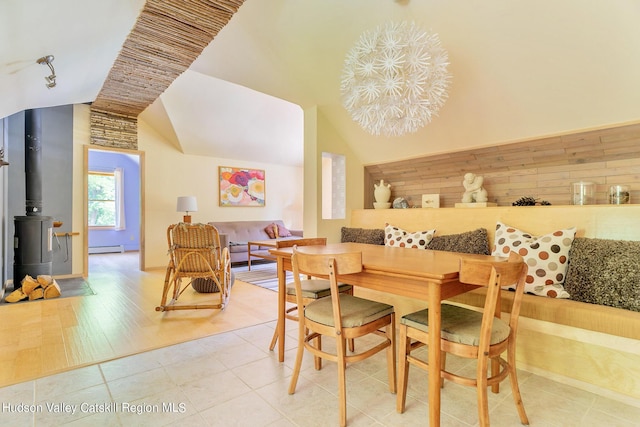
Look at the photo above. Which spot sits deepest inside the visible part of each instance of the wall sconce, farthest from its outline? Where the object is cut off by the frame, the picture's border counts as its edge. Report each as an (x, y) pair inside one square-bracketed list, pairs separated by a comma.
[(51, 79), (187, 204)]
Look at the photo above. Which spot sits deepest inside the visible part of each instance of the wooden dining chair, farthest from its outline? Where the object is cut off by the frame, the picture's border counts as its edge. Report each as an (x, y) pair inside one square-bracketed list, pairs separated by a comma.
[(342, 317), (471, 334), (312, 288), (195, 253)]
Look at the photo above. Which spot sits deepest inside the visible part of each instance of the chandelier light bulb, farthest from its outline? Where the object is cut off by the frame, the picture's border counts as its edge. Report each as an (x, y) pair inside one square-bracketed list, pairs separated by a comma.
[(395, 79)]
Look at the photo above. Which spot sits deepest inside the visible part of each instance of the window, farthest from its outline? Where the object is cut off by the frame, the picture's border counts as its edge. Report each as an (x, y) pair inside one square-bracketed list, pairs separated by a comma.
[(102, 199), (333, 186), (105, 199)]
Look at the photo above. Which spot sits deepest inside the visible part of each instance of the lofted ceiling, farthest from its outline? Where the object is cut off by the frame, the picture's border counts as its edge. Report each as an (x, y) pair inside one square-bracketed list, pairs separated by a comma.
[(167, 37), (520, 70)]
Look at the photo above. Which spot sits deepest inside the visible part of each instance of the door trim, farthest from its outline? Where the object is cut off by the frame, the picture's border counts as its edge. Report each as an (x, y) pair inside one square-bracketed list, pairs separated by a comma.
[(85, 172)]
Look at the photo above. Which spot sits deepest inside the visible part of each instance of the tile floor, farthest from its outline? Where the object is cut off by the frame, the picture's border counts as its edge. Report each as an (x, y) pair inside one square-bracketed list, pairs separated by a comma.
[(232, 379)]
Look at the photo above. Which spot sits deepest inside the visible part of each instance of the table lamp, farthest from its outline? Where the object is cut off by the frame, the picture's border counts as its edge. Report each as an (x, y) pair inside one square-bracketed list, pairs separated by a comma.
[(187, 204)]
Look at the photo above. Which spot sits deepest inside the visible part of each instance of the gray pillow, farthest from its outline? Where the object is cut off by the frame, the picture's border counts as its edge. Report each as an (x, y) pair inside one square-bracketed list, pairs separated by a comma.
[(362, 235), (470, 242), (605, 272)]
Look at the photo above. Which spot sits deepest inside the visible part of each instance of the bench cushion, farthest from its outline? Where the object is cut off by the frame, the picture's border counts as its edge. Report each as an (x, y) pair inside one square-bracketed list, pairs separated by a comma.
[(371, 236), (605, 272), (470, 242)]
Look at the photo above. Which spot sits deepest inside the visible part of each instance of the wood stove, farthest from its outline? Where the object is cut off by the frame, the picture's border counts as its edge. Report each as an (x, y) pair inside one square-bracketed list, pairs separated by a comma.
[(33, 238)]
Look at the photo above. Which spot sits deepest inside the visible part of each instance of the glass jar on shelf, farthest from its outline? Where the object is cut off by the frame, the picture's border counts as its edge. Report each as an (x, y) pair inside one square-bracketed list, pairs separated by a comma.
[(619, 195), (583, 193)]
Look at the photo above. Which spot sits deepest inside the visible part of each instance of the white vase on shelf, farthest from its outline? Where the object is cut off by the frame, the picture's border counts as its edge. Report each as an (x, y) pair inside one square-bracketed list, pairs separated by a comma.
[(382, 194)]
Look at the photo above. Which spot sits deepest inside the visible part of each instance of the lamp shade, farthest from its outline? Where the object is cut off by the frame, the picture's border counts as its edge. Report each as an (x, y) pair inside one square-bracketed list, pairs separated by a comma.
[(187, 204)]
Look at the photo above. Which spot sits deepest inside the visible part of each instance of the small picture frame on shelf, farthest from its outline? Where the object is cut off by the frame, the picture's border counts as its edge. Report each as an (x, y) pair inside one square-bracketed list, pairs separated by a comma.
[(431, 200)]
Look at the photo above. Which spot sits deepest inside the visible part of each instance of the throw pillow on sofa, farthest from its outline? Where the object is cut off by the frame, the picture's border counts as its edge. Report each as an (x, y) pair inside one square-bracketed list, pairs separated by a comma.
[(470, 242), (276, 230), (546, 256), (362, 235), (397, 237), (605, 272)]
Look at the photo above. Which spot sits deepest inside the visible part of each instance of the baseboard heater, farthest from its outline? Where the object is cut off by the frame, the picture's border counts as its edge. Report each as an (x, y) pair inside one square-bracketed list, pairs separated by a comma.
[(106, 249)]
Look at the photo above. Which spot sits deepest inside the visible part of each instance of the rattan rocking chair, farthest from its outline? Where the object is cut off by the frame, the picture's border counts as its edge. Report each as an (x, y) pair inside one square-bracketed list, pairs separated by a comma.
[(195, 253)]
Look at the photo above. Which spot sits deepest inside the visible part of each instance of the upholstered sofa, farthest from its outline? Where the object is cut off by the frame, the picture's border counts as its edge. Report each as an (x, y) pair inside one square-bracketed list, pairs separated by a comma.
[(236, 234)]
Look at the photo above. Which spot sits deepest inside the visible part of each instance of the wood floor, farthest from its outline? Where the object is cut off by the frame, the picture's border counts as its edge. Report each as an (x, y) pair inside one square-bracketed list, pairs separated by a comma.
[(44, 337)]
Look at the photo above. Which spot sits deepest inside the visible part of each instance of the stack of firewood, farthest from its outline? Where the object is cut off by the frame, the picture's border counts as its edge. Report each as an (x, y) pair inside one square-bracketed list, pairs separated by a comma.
[(43, 286)]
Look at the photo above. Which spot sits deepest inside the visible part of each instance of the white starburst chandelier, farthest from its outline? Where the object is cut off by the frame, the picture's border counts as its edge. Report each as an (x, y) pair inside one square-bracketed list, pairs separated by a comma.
[(395, 79)]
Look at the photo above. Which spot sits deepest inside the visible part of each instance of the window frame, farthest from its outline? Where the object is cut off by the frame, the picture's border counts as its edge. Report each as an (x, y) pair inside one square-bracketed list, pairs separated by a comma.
[(114, 201)]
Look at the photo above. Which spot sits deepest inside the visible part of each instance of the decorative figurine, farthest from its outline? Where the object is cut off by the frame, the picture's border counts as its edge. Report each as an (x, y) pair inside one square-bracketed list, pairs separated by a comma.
[(382, 194), (474, 193), (400, 203)]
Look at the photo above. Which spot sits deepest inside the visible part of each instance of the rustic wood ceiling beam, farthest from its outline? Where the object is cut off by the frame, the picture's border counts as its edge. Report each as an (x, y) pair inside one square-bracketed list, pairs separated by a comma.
[(168, 36)]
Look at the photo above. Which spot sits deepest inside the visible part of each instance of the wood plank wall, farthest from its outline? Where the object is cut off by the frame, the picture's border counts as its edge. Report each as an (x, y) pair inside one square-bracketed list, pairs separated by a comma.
[(541, 168)]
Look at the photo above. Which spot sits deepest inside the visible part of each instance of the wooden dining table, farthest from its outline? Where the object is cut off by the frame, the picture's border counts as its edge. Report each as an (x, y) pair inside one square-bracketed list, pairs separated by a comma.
[(426, 275)]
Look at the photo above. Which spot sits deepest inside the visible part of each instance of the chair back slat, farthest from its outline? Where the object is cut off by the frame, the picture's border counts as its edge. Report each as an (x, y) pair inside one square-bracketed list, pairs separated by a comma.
[(306, 241), (477, 272), (320, 264), (303, 241)]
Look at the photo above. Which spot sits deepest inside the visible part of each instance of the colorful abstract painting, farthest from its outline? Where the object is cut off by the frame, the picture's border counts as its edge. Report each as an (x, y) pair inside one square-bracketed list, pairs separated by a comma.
[(241, 187)]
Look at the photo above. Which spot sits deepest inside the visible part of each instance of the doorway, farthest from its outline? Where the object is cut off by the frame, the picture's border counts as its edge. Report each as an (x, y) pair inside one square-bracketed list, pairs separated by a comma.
[(121, 234)]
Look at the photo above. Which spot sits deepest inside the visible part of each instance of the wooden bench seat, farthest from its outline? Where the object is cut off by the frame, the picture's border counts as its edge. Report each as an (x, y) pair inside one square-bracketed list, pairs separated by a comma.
[(597, 318), (590, 346)]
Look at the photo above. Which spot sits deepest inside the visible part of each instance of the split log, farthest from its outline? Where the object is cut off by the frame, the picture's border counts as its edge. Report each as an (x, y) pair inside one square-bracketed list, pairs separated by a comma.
[(29, 284), (44, 280), (37, 293), (44, 287), (16, 296), (52, 291)]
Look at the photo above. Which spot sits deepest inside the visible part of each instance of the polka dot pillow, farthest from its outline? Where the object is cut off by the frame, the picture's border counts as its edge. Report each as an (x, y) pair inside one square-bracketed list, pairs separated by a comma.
[(395, 236), (546, 256)]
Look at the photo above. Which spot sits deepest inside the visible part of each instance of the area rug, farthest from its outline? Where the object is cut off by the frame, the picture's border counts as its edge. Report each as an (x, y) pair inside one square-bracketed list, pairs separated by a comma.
[(263, 275), (71, 287)]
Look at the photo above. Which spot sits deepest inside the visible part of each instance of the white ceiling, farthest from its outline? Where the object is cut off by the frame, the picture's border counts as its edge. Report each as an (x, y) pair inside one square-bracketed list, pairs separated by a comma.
[(84, 36), (520, 70)]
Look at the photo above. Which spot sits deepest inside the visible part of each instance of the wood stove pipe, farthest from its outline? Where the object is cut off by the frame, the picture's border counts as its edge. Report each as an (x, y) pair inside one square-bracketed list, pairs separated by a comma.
[(33, 162)]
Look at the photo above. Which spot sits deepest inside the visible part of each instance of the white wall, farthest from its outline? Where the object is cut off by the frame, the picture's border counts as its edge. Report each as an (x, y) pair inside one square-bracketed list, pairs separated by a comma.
[(327, 139), (170, 173)]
